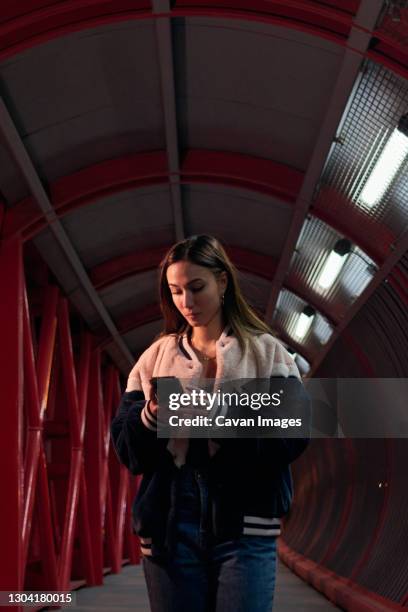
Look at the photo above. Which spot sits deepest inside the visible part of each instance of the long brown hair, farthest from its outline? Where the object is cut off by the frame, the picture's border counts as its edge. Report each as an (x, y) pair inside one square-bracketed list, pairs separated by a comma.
[(207, 251)]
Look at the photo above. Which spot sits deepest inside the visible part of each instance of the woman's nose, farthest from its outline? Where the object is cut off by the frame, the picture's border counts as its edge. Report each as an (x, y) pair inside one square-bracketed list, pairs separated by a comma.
[(188, 300)]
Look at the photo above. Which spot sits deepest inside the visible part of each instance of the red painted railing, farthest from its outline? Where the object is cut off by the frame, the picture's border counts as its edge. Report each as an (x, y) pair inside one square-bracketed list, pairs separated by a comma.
[(65, 517)]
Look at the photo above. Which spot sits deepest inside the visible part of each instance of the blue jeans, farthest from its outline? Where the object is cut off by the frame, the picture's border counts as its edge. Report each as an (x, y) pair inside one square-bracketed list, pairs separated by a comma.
[(205, 576)]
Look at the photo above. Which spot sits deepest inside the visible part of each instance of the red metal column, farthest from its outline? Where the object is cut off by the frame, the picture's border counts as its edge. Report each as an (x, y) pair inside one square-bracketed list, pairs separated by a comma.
[(93, 463), (11, 442), (36, 389), (114, 488), (56, 505)]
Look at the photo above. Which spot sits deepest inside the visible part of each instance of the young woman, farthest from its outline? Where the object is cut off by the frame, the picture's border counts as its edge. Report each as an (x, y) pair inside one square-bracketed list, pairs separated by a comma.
[(208, 510)]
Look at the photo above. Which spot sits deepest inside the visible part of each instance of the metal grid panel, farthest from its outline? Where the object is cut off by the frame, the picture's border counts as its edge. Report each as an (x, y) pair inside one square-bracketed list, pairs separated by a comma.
[(380, 99), (315, 242), (288, 309), (322, 330)]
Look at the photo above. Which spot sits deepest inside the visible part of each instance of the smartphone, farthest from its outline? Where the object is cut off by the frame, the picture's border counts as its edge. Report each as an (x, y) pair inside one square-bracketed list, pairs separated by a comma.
[(168, 385)]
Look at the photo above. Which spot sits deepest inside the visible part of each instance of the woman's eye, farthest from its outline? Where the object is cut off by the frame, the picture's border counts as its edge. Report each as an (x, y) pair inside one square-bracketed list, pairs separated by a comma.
[(193, 290)]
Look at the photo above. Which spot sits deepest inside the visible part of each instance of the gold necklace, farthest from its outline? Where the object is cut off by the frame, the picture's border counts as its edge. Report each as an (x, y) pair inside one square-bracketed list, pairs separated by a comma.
[(201, 354)]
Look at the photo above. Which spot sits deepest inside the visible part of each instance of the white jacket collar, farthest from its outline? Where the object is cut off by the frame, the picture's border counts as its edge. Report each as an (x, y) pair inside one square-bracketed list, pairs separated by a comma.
[(186, 348)]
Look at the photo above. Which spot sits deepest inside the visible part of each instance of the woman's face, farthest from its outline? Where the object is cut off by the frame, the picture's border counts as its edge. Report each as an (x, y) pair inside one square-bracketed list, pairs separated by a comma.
[(196, 291)]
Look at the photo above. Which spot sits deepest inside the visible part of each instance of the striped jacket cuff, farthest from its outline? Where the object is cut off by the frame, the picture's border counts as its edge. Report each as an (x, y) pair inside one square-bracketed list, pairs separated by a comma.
[(148, 418), (146, 546), (256, 525)]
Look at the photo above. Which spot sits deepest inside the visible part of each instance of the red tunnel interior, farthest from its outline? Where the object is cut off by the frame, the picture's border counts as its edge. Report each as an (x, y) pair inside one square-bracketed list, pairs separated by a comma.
[(126, 126)]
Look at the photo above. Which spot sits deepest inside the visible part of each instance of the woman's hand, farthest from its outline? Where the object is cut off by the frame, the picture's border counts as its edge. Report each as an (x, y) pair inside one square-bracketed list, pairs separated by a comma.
[(182, 412), (153, 406)]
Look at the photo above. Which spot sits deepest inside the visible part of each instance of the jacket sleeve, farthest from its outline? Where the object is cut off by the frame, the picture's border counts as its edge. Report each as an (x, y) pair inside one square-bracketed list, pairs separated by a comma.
[(279, 450), (283, 449), (286, 376), (136, 445), (134, 428)]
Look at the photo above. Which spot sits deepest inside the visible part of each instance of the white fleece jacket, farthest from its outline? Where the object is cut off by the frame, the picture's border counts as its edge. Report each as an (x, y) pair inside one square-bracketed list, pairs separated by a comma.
[(172, 355)]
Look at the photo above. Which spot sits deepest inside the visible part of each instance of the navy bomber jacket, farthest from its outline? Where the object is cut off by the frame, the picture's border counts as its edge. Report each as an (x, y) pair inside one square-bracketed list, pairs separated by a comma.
[(250, 478)]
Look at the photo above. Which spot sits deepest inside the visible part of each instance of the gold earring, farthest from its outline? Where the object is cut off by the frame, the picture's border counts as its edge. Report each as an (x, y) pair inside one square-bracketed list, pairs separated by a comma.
[(222, 299)]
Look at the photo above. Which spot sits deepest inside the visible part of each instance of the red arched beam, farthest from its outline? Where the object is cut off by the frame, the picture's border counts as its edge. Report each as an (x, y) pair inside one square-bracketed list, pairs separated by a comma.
[(252, 262), (321, 21), (344, 6), (34, 22), (119, 268), (128, 265), (344, 216), (141, 169), (258, 264), (86, 186), (30, 23), (244, 171), (390, 46), (391, 58)]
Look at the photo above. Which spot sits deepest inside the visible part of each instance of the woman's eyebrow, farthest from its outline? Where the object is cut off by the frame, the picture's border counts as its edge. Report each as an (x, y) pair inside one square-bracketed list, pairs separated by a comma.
[(189, 282)]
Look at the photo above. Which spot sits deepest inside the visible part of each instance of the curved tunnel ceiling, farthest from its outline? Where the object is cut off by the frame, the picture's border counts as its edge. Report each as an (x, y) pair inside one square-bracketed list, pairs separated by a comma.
[(128, 125)]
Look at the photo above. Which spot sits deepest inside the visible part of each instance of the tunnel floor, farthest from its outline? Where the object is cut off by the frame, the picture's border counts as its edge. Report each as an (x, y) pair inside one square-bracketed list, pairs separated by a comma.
[(127, 591)]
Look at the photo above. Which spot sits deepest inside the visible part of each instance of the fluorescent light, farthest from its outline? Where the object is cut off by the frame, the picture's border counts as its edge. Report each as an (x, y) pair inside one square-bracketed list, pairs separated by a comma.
[(385, 169), (332, 267), (334, 263), (304, 322), (302, 326)]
